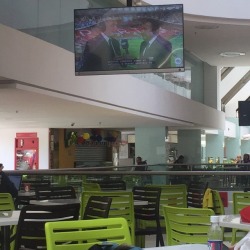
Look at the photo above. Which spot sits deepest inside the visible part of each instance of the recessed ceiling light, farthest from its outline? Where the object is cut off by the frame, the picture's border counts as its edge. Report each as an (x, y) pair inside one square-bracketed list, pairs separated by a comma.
[(232, 54)]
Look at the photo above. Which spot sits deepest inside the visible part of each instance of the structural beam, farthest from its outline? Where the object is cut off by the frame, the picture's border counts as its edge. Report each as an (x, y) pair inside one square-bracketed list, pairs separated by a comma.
[(235, 89), (225, 71)]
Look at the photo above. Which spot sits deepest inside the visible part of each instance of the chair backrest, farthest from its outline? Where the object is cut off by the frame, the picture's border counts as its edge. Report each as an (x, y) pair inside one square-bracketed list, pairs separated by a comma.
[(97, 207), (30, 228), (240, 200), (195, 193), (218, 206), (246, 189), (186, 225), (89, 186), (172, 195), (60, 192), (122, 205), (151, 195), (112, 185), (6, 202), (82, 234), (35, 184)]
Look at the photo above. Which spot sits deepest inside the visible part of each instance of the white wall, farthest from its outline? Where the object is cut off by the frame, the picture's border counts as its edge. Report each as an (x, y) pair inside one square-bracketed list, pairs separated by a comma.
[(30, 14), (233, 9), (49, 67), (230, 130), (7, 146)]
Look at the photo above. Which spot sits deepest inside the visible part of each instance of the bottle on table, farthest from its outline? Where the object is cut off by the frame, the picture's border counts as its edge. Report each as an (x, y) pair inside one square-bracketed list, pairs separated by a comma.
[(215, 234)]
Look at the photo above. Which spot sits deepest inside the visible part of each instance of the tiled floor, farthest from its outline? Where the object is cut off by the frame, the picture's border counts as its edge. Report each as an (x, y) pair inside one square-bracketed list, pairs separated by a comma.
[(150, 240)]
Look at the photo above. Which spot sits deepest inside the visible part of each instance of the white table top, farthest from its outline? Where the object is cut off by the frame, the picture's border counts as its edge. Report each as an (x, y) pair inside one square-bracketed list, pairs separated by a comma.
[(181, 247), (54, 202), (26, 193), (71, 201), (9, 218), (233, 221)]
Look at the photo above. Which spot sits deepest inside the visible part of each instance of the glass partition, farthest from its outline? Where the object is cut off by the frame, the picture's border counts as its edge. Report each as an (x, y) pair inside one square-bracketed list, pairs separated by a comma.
[(219, 176)]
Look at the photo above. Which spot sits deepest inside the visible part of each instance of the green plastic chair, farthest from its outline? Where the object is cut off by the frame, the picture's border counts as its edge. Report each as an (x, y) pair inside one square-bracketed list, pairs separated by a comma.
[(218, 206), (122, 206), (7, 204), (147, 213), (82, 234), (240, 201), (187, 225), (219, 209), (171, 195), (91, 186)]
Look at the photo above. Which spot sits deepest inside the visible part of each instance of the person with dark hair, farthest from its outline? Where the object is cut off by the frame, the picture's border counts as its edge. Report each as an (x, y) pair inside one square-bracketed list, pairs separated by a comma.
[(179, 160), (101, 52), (178, 166), (142, 165), (155, 50), (6, 186)]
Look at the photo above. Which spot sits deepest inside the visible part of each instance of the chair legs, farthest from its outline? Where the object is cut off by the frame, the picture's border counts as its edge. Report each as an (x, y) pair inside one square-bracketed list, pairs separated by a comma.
[(159, 236), (149, 230), (159, 240)]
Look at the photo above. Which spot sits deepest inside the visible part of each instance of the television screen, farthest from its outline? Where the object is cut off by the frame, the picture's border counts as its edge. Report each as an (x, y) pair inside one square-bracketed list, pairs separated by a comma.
[(130, 40), (244, 113)]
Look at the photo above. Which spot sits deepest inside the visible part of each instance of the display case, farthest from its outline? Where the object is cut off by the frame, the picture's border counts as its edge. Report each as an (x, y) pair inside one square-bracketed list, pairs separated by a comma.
[(26, 151)]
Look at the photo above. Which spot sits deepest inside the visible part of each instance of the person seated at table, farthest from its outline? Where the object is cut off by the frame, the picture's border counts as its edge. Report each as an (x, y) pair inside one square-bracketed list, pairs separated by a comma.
[(142, 165), (179, 166), (6, 186)]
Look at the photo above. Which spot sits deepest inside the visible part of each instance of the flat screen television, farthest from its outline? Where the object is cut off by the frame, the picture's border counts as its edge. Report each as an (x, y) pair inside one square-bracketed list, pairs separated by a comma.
[(127, 40), (244, 113)]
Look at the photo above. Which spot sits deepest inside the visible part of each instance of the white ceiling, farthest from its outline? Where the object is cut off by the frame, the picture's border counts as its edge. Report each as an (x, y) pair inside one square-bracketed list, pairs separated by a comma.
[(206, 41)]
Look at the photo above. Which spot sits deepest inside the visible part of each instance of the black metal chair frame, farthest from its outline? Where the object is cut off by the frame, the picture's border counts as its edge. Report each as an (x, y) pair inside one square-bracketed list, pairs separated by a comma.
[(23, 200), (35, 184), (112, 185), (97, 207), (148, 212), (195, 193), (60, 192), (31, 225)]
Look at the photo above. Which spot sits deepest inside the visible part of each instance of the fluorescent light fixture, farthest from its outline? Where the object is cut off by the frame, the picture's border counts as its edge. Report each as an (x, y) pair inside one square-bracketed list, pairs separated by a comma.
[(207, 26), (232, 54)]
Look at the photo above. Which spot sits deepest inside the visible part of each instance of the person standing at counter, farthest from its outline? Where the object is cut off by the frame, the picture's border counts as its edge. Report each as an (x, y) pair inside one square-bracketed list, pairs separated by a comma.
[(6, 186)]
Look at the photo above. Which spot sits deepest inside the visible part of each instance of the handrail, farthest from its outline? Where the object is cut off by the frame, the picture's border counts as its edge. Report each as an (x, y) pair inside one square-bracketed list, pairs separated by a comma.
[(112, 172), (218, 175), (193, 169)]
